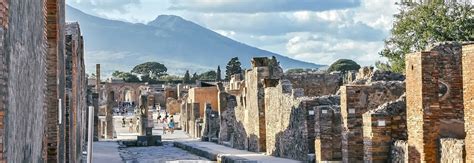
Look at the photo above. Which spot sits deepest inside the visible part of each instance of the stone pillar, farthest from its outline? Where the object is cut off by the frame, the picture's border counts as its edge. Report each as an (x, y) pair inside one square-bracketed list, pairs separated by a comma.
[(97, 76), (355, 101), (109, 115), (381, 127), (95, 103), (328, 134), (468, 85), (143, 114), (54, 28), (3, 75), (434, 100)]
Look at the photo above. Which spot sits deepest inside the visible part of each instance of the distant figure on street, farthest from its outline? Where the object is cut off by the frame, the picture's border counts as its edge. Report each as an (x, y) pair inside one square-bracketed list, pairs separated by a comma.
[(138, 124), (123, 122), (171, 125), (130, 126), (164, 122)]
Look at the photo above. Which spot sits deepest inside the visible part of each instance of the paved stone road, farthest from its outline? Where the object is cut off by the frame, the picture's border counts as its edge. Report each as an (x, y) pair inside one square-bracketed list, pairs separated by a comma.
[(109, 152), (165, 153)]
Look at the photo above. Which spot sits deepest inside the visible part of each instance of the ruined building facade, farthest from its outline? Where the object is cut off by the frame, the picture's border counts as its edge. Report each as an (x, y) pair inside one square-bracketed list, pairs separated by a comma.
[(33, 83)]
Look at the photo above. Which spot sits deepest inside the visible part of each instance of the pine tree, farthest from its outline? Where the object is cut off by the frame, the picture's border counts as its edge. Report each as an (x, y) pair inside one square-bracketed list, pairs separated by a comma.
[(187, 77), (233, 67), (218, 78)]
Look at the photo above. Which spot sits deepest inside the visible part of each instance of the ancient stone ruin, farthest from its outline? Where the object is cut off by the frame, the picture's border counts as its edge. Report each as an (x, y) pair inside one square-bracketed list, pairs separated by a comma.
[(364, 116)]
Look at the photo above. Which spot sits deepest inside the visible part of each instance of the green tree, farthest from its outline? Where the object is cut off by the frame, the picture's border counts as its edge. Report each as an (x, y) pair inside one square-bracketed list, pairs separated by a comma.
[(296, 70), (219, 73), (343, 65), (233, 67), (187, 77), (153, 69), (209, 75), (125, 76), (383, 66), (418, 26)]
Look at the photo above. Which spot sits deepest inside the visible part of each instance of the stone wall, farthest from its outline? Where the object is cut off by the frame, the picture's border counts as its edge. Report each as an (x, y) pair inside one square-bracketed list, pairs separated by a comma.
[(434, 100), (211, 125), (382, 127), (327, 127), (315, 84), (203, 95), (468, 86), (355, 101), (23, 66), (77, 92), (286, 123), (173, 106)]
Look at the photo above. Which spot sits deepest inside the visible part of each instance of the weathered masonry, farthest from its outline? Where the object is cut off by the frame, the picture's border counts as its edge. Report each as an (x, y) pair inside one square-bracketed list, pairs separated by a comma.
[(468, 92), (33, 78), (435, 106)]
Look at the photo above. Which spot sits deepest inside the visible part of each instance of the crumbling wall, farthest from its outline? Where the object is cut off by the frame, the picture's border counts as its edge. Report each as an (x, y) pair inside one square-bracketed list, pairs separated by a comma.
[(434, 100), (382, 127), (468, 91), (286, 128), (315, 84), (451, 150), (210, 129), (327, 127), (355, 101), (23, 67), (399, 152)]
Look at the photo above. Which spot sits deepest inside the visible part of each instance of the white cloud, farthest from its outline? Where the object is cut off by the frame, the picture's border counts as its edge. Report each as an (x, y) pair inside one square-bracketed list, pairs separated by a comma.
[(313, 48), (252, 6)]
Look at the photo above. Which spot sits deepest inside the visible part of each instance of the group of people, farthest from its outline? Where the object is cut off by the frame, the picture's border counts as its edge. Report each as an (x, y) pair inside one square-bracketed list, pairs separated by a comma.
[(167, 124), (131, 124)]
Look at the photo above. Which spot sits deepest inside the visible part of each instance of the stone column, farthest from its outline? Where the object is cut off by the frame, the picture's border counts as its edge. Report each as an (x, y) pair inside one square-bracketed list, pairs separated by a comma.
[(109, 115), (468, 84), (95, 103)]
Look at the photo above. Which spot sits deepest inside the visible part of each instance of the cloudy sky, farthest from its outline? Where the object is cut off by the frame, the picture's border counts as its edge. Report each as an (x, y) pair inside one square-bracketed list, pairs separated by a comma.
[(318, 31)]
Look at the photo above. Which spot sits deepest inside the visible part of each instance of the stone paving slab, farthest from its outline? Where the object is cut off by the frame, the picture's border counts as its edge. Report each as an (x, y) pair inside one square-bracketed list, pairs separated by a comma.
[(222, 153), (106, 152)]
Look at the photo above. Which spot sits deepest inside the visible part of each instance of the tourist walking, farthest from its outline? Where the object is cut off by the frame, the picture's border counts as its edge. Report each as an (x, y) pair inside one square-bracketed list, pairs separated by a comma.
[(164, 123), (171, 125), (123, 122), (130, 126)]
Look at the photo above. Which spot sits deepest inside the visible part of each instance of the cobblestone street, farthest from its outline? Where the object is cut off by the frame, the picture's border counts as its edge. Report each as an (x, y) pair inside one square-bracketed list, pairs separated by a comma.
[(165, 153)]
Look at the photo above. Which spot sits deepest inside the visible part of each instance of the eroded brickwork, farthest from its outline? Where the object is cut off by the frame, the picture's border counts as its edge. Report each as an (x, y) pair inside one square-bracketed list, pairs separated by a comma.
[(355, 101), (434, 100), (315, 84), (382, 127), (468, 86)]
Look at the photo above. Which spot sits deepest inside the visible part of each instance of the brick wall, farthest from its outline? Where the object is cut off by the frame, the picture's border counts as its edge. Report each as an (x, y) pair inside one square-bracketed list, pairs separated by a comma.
[(315, 84), (434, 100), (327, 127), (355, 101), (382, 127), (468, 84)]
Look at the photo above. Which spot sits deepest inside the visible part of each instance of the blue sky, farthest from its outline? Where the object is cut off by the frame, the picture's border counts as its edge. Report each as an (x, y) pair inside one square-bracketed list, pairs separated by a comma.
[(318, 31)]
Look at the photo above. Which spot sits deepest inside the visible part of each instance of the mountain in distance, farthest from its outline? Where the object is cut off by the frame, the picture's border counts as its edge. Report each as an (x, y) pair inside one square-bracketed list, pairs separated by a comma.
[(177, 43)]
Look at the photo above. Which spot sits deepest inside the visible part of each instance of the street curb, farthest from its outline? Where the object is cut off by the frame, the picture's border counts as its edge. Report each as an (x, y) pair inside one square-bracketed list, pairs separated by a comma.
[(212, 155)]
